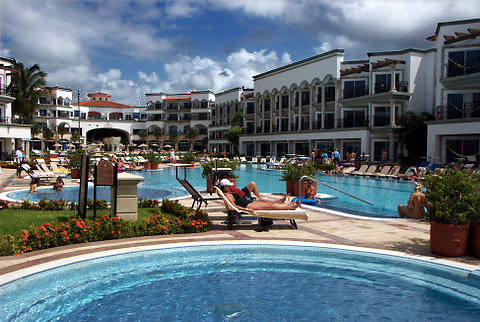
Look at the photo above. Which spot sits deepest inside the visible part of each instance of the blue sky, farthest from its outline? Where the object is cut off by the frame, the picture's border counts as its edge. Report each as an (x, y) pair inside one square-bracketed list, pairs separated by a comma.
[(127, 48)]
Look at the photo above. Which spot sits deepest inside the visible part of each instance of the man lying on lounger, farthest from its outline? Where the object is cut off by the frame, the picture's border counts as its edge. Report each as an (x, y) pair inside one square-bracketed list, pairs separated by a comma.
[(243, 198)]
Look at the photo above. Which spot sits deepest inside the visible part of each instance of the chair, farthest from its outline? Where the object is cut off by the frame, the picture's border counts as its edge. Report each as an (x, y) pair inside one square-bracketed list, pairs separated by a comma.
[(263, 160), (361, 171), (349, 170), (393, 172), (370, 171), (233, 212), (254, 160), (385, 170), (42, 178), (243, 159), (196, 196), (46, 171)]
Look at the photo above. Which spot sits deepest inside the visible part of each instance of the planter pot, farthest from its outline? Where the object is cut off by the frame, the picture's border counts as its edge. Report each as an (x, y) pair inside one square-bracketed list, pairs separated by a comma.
[(75, 173), (292, 188), (147, 166), (210, 181), (154, 166), (475, 240), (449, 240)]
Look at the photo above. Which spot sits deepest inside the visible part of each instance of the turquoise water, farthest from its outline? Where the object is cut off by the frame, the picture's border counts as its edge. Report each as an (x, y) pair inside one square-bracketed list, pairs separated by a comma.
[(385, 194), (244, 283)]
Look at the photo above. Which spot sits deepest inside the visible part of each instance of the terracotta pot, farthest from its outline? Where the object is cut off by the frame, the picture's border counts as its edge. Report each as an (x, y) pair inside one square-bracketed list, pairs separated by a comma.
[(154, 166), (147, 166), (294, 188), (449, 240), (289, 187), (75, 173), (475, 240)]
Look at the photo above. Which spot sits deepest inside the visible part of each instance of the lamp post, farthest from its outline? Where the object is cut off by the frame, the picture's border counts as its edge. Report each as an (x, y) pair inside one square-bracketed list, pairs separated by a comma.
[(79, 133)]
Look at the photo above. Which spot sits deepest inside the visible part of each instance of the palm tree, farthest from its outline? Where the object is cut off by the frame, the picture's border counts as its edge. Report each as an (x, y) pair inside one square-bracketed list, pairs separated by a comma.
[(35, 129), (47, 135), (191, 135), (143, 135), (173, 136), (62, 129), (27, 83)]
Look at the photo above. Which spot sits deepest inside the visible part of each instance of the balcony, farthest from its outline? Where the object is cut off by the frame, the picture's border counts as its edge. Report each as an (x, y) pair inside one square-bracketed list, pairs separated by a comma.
[(355, 92), (450, 112), (353, 123), (5, 96), (456, 77)]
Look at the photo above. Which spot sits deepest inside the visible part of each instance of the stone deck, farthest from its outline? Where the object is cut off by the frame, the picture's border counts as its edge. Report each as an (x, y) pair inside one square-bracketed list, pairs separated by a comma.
[(403, 235)]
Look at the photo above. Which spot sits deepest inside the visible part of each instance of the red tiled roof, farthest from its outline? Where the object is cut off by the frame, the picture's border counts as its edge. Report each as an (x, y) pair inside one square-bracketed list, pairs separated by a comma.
[(102, 104), (177, 97), (99, 94)]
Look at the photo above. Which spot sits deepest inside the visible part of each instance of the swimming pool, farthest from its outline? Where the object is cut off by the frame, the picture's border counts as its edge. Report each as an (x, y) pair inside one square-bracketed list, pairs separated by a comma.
[(385, 194), (244, 282)]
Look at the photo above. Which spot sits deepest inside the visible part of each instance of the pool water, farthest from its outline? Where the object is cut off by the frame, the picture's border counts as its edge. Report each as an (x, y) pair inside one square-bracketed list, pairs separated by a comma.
[(245, 283), (384, 193)]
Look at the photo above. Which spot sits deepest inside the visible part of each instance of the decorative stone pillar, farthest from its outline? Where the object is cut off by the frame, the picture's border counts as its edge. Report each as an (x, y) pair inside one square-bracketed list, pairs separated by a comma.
[(127, 199)]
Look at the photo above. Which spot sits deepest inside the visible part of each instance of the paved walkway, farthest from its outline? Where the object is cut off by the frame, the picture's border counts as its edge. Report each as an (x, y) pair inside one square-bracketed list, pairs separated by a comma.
[(404, 235)]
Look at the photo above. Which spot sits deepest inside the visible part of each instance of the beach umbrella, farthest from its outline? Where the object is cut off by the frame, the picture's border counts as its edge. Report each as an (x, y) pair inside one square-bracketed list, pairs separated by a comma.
[(167, 146), (57, 145), (154, 144), (143, 145)]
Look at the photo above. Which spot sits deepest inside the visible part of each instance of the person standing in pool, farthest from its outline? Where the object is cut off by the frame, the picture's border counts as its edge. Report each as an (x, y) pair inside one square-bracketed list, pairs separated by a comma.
[(244, 200), (416, 204)]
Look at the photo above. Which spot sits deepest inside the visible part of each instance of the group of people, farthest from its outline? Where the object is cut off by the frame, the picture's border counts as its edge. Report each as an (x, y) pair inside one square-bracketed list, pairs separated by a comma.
[(335, 157)]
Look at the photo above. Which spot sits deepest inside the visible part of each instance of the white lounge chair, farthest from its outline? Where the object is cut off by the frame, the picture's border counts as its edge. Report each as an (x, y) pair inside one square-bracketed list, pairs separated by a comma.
[(361, 171), (243, 159), (234, 212), (371, 170), (385, 170)]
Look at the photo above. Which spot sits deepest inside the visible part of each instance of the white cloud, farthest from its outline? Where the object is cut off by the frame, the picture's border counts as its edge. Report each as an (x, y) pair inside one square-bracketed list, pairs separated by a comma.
[(151, 79)]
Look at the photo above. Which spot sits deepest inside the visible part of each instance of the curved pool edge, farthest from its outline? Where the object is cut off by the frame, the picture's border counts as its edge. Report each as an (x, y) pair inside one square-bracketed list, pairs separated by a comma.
[(62, 258)]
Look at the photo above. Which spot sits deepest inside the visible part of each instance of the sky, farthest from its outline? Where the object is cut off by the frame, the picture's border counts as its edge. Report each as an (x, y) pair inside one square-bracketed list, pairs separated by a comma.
[(128, 48)]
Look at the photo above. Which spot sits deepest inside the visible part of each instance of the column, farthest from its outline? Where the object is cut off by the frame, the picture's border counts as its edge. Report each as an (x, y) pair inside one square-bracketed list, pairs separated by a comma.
[(392, 112), (272, 108), (290, 106), (127, 199), (337, 105), (394, 85), (255, 119), (391, 147)]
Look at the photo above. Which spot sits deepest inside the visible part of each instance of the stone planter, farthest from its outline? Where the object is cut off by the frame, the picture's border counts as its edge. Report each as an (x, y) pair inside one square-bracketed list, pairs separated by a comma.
[(475, 240), (292, 188), (449, 240)]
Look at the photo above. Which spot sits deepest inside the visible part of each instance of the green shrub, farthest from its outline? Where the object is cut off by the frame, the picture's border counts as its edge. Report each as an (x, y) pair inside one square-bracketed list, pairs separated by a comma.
[(453, 197), (295, 171)]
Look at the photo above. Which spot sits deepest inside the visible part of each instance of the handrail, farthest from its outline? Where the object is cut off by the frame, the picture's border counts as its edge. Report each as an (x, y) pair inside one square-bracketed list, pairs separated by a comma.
[(328, 186)]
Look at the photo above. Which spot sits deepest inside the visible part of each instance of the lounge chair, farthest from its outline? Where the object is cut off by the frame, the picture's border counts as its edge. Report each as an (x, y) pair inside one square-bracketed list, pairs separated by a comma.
[(196, 196), (393, 172), (291, 215), (46, 171), (254, 160), (370, 171), (349, 170), (361, 171), (243, 159), (385, 170), (263, 160), (45, 179)]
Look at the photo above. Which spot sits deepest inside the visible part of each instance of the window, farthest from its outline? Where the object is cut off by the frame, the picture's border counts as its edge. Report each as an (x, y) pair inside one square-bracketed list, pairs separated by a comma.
[(187, 117), (203, 104), (266, 126), (383, 82), (285, 101), (461, 148), (187, 105), (173, 117), (349, 147), (296, 99), (203, 116), (354, 118), (250, 107), (378, 148), (355, 88), (382, 116), (319, 94), (329, 93), (329, 120), (305, 98), (158, 106), (143, 116), (463, 62), (267, 104)]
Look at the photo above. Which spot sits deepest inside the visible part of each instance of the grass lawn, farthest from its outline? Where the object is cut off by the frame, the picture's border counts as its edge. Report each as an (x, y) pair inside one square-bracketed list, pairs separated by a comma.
[(14, 220)]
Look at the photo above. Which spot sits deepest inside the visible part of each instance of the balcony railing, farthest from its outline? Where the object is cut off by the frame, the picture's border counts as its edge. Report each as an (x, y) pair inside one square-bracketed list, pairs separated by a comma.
[(451, 112), (453, 70), (4, 91), (346, 123), (385, 87)]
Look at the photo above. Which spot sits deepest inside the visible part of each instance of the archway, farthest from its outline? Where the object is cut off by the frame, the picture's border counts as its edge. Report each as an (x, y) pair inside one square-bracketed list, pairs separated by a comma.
[(95, 135)]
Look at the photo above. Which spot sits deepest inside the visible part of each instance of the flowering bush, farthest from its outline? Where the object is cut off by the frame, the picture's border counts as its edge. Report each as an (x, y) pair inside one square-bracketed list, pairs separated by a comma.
[(147, 203), (3, 204), (172, 218)]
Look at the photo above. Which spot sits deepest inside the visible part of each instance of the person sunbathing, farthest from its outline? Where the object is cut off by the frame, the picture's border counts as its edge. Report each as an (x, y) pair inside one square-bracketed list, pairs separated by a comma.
[(415, 206), (244, 201)]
